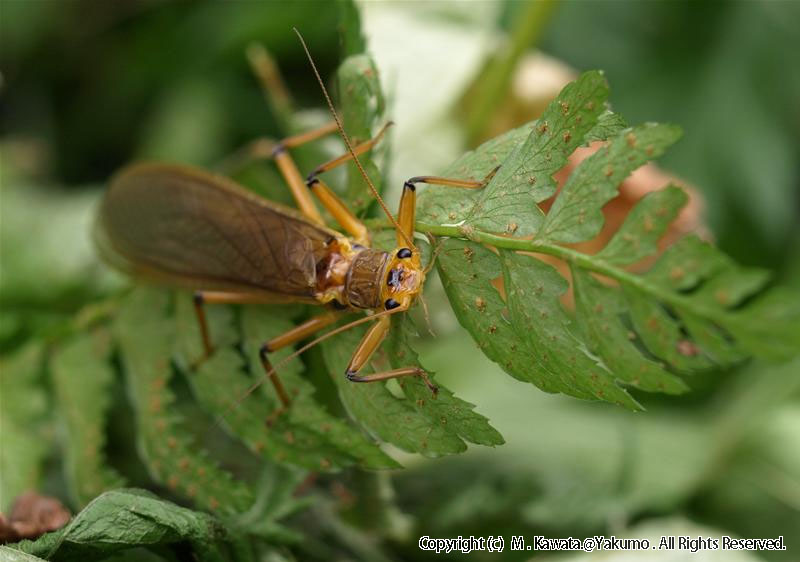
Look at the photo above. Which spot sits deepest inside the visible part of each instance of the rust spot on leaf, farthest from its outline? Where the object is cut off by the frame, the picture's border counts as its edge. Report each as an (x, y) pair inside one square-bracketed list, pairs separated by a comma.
[(687, 348)]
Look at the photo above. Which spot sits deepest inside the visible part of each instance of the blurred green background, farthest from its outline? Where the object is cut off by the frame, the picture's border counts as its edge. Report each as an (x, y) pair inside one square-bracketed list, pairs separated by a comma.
[(88, 86)]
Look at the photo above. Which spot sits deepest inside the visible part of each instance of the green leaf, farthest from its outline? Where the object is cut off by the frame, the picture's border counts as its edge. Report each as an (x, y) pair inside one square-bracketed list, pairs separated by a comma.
[(609, 124), (770, 326), (8, 554), (362, 107), (646, 223), (145, 332), (453, 414), (126, 518), (394, 419), (576, 214), (692, 310), (685, 264), (276, 499), (662, 334), (467, 271), (82, 377), (600, 312), (221, 384), (23, 407), (330, 440), (533, 289), (509, 201), (438, 204), (352, 38)]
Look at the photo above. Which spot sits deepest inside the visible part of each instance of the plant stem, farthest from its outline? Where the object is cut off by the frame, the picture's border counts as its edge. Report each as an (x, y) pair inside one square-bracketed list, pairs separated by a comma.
[(579, 259), (493, 83)]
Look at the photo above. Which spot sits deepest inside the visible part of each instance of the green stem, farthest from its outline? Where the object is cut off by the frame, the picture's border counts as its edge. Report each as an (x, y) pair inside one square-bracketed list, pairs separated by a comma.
[(579, 259), (494, 81)]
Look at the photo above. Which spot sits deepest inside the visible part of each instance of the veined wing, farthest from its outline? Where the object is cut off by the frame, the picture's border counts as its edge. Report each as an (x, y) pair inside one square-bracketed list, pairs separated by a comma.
[(187, 227)]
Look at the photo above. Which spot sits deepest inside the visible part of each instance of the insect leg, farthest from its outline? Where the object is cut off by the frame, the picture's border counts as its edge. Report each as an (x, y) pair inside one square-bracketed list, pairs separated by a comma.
[(201, 298), (294, 335), (297, 185), (269, 78), (369, 343), (451, 182), (408, 200), (359, 149), (335, 206)]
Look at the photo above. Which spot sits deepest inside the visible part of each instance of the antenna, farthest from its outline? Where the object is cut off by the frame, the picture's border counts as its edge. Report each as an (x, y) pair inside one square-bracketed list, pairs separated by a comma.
[(350, 146)]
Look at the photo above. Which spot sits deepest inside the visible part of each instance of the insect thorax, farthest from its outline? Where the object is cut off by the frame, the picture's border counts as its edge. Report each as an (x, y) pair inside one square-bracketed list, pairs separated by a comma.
[(364, 282)]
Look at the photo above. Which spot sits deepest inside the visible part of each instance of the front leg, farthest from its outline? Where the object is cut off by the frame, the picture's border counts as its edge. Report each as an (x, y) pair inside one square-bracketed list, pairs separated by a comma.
[(369, 344)]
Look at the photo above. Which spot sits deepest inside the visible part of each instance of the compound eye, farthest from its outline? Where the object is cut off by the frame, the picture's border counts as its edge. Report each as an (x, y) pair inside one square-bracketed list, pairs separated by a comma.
[(403, 253), (391, 303)]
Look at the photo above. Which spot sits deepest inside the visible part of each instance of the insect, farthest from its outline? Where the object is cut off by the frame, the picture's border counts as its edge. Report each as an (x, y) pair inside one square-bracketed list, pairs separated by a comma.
[(186, 227)]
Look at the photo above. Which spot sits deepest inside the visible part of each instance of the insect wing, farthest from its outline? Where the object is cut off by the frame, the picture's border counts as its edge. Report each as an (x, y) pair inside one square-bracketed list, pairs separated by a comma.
[(182, 226)]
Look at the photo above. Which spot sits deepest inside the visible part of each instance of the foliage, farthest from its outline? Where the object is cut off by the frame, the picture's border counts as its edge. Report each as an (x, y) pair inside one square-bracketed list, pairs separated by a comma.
[(640, 322), (692, 309)]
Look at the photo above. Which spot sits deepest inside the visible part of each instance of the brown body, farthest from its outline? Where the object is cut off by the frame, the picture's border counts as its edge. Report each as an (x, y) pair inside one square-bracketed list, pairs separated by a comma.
[(177, 225)]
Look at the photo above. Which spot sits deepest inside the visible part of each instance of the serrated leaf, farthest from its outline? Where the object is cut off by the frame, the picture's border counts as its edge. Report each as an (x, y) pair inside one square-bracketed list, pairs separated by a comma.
[(8, 554), (662, 334), (352, 38), (692, 309), (770, 326), (467, 271), (23, 406), (599, 311), (685, 264), (509, 202), (447, 205), (337, 442), (731, 284), (145, 332), (394, 419), (576, 214), (646, 223), (713, 341), (82, 377), (126, 518), (362, 107), (452, 413), (221, 383), (609, 124), (276, 499), (533, 289)]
